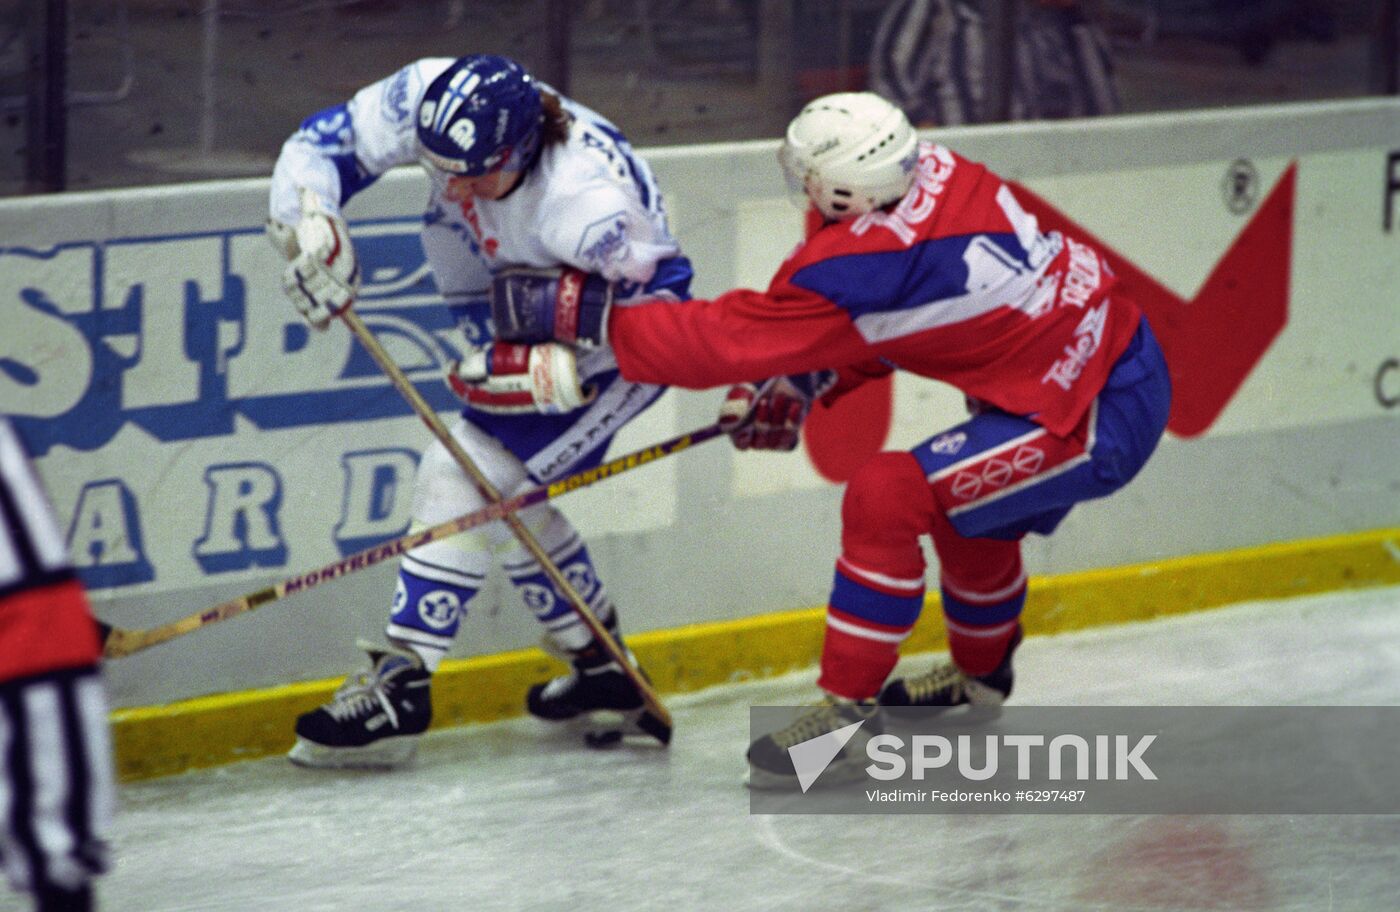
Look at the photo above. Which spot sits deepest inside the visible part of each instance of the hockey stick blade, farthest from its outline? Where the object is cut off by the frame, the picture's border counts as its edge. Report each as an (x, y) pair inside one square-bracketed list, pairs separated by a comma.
[(646, 723), (600, 740), (119, 643), (655, 726)]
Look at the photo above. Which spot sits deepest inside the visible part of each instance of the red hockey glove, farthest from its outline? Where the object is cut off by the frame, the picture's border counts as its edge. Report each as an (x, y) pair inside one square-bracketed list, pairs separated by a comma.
[(769, 415)]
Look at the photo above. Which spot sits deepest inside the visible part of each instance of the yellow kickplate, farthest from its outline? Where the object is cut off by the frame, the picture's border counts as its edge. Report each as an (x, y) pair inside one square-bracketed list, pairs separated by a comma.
[(209, 731)]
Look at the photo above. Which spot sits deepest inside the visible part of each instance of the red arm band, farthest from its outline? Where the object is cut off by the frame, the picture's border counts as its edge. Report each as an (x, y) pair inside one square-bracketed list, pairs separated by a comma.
[(48, 628)]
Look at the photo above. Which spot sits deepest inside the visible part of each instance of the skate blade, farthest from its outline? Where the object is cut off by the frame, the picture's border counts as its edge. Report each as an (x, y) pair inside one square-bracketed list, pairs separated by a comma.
[(838, 773), (761, 780), (386, 754)]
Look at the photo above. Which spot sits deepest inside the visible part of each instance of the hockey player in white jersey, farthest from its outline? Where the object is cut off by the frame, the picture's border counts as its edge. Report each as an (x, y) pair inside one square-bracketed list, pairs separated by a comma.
[(520, 177)]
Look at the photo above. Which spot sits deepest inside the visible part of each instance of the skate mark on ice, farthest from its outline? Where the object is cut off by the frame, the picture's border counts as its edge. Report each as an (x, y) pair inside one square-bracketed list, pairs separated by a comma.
[(768, 836)]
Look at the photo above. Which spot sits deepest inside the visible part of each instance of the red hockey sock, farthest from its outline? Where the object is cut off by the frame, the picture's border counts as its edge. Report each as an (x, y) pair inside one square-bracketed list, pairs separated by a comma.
[(878, 591), (984, 589), (979, 650), (855, 664)]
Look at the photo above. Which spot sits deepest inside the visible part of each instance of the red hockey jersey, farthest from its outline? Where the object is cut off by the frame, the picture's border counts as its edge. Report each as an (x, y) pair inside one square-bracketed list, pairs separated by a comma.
[(954, 282)]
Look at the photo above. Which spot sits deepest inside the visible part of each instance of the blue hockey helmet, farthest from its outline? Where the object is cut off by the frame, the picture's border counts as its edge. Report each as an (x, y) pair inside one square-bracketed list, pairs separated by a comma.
[(481, 115)]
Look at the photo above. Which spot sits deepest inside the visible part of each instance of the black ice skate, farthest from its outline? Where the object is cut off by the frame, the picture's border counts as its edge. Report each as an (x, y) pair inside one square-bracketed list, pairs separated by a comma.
[(770, 759), (373, 721), (51, 898), (596, 682), (947, 686)]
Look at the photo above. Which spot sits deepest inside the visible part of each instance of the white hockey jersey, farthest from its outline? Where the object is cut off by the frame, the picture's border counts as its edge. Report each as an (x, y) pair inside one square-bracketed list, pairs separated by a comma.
[(588, 203)]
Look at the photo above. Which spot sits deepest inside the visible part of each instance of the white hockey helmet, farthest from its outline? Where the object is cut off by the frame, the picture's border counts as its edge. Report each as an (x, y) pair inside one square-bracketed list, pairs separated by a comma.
[(850, 153)]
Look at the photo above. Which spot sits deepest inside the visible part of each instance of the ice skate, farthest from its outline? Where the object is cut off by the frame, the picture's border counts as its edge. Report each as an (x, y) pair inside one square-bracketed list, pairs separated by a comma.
[(596, 682), (770, 760), (373, 721), (51, 898), (947, 686)]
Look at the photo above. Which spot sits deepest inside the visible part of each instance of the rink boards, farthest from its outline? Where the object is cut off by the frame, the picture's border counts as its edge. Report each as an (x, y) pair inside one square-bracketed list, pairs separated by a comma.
[(210, 731), (199, 443)]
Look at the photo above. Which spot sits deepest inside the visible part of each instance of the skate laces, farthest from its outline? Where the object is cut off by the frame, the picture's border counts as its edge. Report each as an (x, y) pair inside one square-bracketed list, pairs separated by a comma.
[(357, 699), (359, 695), (824, 717), (944, 681)]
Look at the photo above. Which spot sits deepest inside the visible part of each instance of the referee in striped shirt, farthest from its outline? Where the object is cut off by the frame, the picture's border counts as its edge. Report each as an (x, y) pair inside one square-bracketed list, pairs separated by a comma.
[(56, 782)]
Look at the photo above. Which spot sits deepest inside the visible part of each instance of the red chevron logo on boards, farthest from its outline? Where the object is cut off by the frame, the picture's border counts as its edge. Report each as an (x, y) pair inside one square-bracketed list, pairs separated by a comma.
[(1212, 342)]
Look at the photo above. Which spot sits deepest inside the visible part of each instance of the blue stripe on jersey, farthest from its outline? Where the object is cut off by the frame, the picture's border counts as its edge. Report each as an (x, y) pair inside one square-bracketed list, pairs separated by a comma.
[(353, 176), (332, 131), (860, 601), (932, 270), (645, 190), (673, 274)]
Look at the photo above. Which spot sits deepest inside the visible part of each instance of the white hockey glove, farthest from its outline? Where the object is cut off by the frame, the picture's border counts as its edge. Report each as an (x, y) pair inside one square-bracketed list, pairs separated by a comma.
[(515, 379), (541, 305), (322, 276), (769, 415)]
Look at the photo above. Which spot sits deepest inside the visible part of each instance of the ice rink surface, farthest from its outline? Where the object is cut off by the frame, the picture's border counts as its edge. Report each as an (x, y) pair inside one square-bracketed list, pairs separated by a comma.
[(519, 816)]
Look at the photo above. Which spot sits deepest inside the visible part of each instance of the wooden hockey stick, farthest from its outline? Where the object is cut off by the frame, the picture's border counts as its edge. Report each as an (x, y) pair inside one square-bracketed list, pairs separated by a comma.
[(654, 719), (119, 642)]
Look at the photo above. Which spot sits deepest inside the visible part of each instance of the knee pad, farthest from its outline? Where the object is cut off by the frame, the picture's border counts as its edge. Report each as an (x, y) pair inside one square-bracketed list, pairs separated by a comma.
[(442, 490), (887, 506)]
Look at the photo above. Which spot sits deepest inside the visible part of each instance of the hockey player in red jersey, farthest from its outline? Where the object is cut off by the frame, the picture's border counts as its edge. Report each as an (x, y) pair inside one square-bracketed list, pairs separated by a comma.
[(926, 262)]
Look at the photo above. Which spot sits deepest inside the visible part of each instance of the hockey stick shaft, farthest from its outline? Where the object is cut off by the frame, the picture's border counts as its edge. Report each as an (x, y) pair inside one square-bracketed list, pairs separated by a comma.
[(655, 718), (119, 642)]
